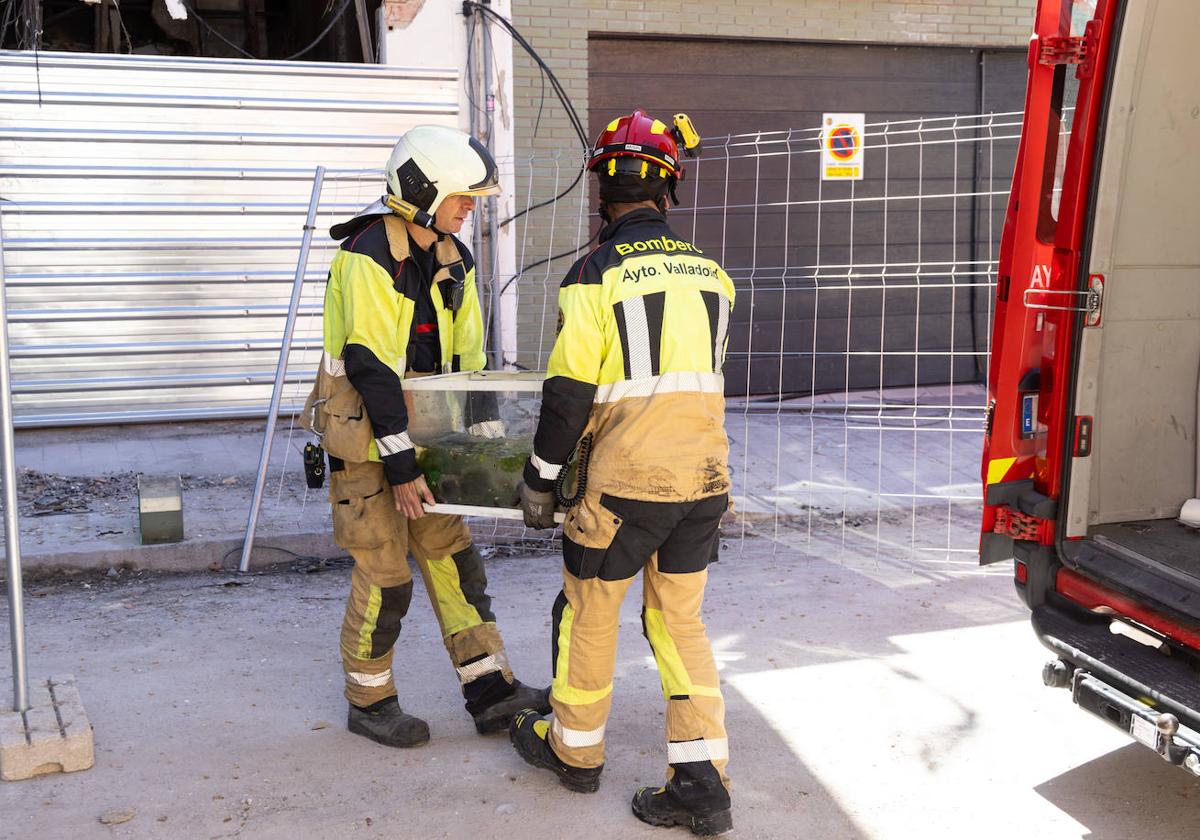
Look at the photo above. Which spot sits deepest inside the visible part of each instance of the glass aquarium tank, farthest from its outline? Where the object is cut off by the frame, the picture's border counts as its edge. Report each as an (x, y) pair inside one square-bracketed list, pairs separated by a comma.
[(472, 432)]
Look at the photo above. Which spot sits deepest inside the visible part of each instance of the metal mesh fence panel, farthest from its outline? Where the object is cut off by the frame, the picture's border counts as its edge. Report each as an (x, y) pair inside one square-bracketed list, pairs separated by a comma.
[(858, 343)]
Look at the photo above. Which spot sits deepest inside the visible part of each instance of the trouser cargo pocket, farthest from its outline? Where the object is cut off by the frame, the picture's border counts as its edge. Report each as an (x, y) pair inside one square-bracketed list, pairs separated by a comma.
[(364, 513), (588, 534)]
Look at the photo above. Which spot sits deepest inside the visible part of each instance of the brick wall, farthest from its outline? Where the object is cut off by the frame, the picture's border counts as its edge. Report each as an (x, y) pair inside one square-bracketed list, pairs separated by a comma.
[(559, 30)]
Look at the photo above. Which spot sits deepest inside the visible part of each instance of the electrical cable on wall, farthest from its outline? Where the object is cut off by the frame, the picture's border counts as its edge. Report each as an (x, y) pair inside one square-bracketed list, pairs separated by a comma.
[(546, 260), (572, 116), (559, 91)]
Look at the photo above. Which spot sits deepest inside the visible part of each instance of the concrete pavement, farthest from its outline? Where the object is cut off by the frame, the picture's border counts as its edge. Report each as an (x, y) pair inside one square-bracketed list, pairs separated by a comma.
[(865, 700)]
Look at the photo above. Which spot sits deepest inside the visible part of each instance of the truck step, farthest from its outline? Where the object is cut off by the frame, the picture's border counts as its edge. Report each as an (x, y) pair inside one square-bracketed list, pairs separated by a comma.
[(1169, 683)]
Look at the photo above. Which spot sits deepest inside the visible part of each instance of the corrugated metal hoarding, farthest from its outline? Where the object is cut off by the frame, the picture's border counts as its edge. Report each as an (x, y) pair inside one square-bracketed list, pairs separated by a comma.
[(152, 213)]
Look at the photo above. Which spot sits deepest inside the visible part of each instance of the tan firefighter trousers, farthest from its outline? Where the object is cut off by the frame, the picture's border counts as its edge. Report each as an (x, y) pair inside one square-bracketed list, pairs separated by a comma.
[(606, 542), (379, 538)]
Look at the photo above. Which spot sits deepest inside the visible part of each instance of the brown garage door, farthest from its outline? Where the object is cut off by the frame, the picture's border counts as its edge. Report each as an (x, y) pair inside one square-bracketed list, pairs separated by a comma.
[(760, 216)]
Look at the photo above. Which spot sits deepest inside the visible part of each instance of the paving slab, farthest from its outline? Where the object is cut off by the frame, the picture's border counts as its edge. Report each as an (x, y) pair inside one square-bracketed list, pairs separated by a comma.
[(52, 736)]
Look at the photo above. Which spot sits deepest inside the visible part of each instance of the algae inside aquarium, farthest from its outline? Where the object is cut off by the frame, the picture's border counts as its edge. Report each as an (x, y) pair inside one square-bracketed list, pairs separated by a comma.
[(462, 469)]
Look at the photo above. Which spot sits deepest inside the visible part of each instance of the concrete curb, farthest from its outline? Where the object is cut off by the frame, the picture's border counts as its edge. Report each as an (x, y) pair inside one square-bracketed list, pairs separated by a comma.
[(186, 556)]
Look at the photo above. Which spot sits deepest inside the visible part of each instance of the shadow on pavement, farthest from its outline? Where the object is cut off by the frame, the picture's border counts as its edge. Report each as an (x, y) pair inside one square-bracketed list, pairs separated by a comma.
[(1127, 794)]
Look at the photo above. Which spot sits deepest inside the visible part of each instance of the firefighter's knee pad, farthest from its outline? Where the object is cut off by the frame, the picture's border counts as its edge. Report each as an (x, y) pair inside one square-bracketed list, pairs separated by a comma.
[(393, 607), (373, 620), (472, 579)]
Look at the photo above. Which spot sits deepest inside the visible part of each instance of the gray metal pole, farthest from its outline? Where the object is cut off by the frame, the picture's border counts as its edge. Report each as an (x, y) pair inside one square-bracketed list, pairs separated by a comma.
[(12, 528), (281, 368), (473, 87), (364, 31), (493, 224)]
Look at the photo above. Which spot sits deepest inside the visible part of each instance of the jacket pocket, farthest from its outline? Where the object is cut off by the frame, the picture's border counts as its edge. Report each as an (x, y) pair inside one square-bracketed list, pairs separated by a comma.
[(341, 419)]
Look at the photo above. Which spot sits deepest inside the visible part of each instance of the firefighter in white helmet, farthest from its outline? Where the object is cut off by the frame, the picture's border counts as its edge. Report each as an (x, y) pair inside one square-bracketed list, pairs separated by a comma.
[(401, 301)]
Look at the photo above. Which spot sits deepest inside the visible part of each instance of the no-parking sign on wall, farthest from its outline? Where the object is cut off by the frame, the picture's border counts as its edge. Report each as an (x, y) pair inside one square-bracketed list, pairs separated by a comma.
[(842, 147)]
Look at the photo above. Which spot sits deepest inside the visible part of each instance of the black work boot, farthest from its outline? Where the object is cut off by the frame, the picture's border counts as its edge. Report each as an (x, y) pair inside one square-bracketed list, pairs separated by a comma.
[(494, 713), (661, 807), (384, 723), (528, 735)]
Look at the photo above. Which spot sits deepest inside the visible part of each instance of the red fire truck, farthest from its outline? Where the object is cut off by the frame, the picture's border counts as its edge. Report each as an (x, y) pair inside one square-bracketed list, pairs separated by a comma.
[(1090, 464)]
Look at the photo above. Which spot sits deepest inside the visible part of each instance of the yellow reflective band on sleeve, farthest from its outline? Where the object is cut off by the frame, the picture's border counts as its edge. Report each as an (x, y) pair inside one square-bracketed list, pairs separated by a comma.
[(452, 606), (671, 670), (999, 468), (370, 619), (560, 690)]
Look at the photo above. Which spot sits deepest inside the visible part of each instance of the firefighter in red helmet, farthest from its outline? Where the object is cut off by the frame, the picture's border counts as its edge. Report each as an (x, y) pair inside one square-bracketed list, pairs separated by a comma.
[(637, 159), (635, 380)]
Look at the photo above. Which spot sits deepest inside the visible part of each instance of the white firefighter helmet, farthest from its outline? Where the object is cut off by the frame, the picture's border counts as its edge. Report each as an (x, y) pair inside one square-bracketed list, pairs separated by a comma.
[(431, 162)]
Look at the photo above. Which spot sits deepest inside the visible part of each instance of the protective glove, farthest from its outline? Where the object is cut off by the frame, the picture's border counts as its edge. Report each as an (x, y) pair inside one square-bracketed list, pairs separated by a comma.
[(537, 507), (487, 429)]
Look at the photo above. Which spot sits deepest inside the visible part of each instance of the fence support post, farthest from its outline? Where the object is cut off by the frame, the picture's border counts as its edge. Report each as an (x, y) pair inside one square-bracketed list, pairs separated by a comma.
[(12, 533), (281, 369)]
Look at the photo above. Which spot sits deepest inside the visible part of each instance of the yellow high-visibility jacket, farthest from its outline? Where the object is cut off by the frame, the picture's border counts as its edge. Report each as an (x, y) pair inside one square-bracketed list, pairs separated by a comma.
[(368, 325), (643, 322)]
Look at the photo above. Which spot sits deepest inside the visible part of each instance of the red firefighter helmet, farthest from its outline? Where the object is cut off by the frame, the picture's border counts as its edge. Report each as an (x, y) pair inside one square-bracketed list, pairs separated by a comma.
[(637, 136), (647, 149)]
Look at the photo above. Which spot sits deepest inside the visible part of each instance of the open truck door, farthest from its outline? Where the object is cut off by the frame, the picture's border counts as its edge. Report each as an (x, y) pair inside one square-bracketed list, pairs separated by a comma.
[(1090, 453)]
